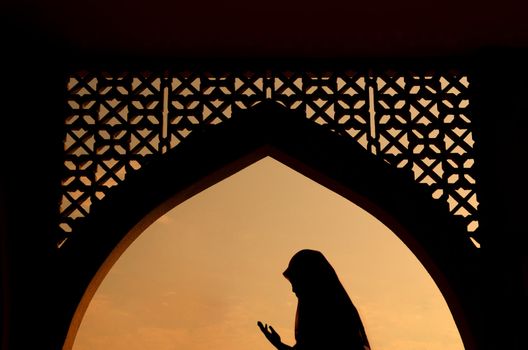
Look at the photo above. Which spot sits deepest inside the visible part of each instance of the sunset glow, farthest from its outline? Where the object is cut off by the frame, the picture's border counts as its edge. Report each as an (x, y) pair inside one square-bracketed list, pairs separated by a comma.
[(203, 275)]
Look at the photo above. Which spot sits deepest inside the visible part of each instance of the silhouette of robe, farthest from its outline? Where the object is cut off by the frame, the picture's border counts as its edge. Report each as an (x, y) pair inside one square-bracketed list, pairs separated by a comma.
[(326, 318)]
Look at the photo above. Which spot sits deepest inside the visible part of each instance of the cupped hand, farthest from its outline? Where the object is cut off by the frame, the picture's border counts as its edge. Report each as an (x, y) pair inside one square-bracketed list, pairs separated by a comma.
[(270, 333)]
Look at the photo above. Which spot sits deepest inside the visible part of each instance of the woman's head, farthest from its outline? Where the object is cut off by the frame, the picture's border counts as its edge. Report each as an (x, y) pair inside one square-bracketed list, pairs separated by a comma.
[(310, 273)]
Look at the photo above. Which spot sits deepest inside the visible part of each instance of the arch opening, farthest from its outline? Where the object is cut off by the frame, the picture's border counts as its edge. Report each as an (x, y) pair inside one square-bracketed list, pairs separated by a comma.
[(259, 217)]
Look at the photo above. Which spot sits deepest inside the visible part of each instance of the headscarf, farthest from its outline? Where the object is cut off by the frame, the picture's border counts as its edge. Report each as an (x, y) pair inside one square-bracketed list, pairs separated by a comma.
[(326, 319)]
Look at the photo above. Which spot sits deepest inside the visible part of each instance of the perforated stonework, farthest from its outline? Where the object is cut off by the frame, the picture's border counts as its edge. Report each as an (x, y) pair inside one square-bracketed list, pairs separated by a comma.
[(115, 123)]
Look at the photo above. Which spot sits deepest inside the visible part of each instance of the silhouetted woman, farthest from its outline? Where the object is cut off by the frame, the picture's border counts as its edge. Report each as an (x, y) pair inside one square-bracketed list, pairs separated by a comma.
[(326, 318)]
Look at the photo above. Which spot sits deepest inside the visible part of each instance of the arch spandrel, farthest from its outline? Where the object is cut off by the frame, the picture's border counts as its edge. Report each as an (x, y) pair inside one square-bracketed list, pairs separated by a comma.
[(117, 123)]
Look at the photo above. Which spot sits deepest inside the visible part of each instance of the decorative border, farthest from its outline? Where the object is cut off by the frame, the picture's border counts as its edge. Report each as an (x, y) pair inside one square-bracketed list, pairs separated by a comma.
[(419, 122)]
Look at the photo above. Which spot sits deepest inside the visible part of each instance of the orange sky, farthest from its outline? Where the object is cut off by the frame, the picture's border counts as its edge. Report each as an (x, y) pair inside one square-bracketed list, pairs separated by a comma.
[(202, 275)]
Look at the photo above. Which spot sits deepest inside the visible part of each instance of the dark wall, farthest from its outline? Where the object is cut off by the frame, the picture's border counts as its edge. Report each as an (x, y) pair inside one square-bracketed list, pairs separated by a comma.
[(35, 310), (501, 112), (31, 120)]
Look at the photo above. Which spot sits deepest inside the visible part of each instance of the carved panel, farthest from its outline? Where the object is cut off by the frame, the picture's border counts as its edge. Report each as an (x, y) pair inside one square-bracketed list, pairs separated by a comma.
[(116, 122)]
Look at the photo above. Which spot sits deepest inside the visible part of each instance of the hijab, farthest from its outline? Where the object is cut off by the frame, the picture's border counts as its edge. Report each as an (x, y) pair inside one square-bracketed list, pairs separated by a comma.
[(326, 319)]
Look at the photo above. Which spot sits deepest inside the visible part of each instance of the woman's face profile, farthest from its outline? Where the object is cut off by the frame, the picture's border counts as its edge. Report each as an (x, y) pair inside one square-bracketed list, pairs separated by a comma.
[(294, 288), (307, 271), (297, 286)]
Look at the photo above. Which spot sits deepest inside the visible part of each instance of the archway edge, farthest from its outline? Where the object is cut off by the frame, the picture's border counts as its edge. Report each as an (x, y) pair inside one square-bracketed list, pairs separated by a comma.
[(214, 153)]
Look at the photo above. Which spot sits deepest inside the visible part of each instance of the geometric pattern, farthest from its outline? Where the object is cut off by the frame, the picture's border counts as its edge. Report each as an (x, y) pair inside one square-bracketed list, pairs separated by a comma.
[(418, 122)]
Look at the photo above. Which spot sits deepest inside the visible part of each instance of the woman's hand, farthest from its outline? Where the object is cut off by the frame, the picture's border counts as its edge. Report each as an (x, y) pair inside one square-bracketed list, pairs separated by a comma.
[(272, 336)]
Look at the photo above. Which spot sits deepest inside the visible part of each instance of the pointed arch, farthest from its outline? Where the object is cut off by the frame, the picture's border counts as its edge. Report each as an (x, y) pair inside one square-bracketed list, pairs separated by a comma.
[(218, 151)]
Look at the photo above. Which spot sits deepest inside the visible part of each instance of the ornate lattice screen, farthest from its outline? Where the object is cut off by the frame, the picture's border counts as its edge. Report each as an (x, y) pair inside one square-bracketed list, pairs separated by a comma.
[(116, 122)]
